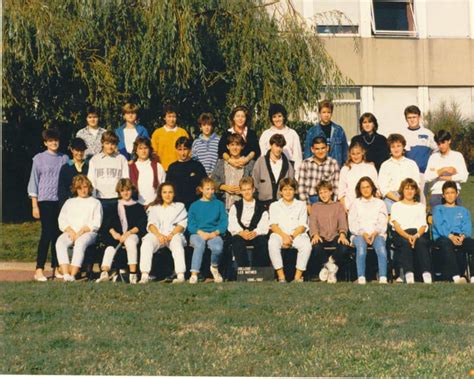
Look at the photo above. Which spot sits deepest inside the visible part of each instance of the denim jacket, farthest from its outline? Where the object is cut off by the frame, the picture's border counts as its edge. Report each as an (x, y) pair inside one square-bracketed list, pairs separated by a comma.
[(337, 142), (142, 132)]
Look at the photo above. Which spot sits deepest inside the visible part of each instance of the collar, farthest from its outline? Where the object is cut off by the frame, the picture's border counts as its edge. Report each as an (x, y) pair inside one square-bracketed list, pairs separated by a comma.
[(71, 163), (364, 200), (398, 160), (170, 129), (282, 130), (414, 130), (103, 155), (313, 159), (212, 136)]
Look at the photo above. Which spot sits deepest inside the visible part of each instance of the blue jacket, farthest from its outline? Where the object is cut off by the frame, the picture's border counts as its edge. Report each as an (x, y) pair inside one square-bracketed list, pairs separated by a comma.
[(337, 142), (448, 220), (142, 132)]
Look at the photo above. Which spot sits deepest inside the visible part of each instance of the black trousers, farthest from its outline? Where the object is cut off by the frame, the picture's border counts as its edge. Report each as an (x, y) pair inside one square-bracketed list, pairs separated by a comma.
[(406, 256), (49, 213), (453, 258), (320, 256), (260, 252)]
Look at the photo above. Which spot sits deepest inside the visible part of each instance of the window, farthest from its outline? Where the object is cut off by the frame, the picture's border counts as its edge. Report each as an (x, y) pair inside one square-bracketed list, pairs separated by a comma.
[(393, 18), (347, 111), (337, 16), (337, 29)]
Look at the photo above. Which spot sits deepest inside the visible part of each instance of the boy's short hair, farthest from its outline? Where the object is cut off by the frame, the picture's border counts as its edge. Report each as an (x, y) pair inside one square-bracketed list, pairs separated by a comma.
[(409, 182), (92, 110), (110, 137), (235, 138), (412, 109), (169, 108), (288, 182), (78, 181), (318, 140), (277, 108), (78, 144), (50, 134), (324, 184), (183, 141), (141, 141), (206, 119), (278, 139), (368, 116), (325, 104), (125, 183), (395, 137), (450, 184), (246, 180), (130, 108), (242, 108), (368, 180), (204, 181), (442, 136)]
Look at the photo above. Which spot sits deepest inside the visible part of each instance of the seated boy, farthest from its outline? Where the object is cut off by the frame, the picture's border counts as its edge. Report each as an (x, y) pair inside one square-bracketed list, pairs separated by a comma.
[(396, 169), (316, 168), (226, 176), (270, 169), (328, 228), (206, 146), (92, 133), (185, 173), (289, 223), (248, 224)]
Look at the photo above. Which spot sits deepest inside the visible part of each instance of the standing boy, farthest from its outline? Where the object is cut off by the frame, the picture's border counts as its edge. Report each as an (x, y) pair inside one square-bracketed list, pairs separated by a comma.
[(205, 147), (92, 133), (163, 140), (185, 173), (43, 191), (129, 130), (332, 132)]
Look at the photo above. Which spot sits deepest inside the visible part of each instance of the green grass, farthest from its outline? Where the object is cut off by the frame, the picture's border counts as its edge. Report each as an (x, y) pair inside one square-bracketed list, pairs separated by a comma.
[(261, 329)]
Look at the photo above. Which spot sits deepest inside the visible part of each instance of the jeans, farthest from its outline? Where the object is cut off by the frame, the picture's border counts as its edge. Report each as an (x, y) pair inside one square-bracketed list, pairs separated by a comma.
[(361, 254), (216, 245)]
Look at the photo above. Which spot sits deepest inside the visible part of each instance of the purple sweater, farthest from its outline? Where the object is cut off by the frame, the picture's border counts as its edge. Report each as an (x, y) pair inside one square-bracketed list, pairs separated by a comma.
[(44, 176)]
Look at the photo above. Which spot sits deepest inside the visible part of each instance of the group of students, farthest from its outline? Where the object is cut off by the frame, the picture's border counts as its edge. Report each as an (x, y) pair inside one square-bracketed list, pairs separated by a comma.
[(142, 194)]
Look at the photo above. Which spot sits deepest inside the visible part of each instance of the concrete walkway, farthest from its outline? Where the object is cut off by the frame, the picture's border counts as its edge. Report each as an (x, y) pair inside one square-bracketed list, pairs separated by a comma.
[(19, 271)]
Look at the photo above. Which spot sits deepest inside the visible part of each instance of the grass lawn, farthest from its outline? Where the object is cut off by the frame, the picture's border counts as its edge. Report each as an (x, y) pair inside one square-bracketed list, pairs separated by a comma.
[(260, 329)]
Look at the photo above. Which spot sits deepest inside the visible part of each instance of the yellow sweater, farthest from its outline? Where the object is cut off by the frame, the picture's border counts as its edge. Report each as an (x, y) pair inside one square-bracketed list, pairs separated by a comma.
[(163, 140)]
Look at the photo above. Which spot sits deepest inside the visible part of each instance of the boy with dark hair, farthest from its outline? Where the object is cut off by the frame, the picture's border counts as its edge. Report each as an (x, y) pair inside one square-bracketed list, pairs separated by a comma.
[(163, 140), (333, 133), (443, 166), (43, 191), (270, 169), (92, 133), (185, 174), (205, 147)]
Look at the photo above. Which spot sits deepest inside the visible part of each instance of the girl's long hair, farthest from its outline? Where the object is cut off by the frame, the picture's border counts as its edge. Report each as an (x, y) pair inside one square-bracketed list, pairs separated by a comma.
[(159, 198), (355, 145)]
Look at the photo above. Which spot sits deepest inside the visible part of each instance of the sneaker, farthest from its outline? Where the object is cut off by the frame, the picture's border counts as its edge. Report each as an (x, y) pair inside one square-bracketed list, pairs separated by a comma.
[(383, 280), (300, 280), (193, 279), (361, 280), (69, 278), (410, 278), (40, 278), (179, 279), (133, 278), (472, 280), (460, 280), (144, 279), (323, 274), (104, 277), (427, 278), (282, 281), (217, 276), (399, 280), (332, 268)]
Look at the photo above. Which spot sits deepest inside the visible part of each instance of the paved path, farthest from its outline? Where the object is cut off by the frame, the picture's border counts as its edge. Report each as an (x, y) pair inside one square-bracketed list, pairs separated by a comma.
[(18, 271)]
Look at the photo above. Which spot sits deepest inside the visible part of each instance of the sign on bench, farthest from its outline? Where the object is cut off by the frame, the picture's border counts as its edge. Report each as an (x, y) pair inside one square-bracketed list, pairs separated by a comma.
[(255, 274)]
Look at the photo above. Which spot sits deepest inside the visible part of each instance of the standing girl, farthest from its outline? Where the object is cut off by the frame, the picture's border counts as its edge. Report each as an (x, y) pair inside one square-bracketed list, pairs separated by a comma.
[(125, 228), (207, 223), (411, 241), (79, 220), (368, 225), (167, 221)]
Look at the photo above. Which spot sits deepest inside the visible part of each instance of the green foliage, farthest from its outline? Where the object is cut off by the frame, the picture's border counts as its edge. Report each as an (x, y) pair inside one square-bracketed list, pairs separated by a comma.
[(449, 117)]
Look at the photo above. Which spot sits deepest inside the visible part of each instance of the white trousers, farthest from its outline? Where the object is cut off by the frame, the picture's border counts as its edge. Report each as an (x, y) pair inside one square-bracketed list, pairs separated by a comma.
[(150, 245), (301, 243), (131, 246), (80, 245)]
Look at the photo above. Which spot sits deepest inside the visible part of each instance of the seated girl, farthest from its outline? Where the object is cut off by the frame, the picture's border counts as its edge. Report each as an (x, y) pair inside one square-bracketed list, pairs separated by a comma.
[(368, 225), (79, 220)]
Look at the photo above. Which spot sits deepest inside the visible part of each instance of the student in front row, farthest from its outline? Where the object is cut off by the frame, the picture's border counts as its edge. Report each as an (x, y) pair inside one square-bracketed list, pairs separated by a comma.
[(126, 227), (289, 223), (207, 223), (167, 221), (248, 225), (205, 147), (79, 220), (328, 228), (368, 225), (452, 233), (270, 169), (410, 238)]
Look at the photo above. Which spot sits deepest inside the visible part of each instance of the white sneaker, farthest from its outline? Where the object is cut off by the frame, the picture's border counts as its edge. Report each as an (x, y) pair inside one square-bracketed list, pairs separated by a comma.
[(427, 278), (361, 280), (472, 279), (40, 278), (399, 280), (410, 278), (132, 278), (460, 280), (144, 279), (179, 279), (104, 277), (383, 280), (323, 274), (193, 279), (69, 278), (217, 276)]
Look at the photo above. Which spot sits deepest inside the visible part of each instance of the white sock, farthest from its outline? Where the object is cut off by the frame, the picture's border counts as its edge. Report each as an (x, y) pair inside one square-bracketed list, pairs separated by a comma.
[(427, 277), (410, 278)]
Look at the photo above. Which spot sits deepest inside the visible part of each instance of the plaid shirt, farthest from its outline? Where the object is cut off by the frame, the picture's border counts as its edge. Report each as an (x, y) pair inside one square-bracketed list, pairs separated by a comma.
[(311, 173)]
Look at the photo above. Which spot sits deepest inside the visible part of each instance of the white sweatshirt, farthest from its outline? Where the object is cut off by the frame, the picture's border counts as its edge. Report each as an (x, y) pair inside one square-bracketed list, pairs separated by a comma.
[(348, 178), (394, 171), (368, 216), (451, 159), (409, 216), (166, 218), (78, 212), (104, 173), (289, 217)]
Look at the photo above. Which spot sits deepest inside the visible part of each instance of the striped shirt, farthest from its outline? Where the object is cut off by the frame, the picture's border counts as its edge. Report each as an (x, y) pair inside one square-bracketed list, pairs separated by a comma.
[(205, 151), (311, 173)]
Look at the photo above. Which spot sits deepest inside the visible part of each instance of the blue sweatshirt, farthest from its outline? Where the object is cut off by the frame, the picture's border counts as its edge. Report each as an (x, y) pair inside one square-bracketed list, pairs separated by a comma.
[(207, 216), (141, 132), (447, 220)]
